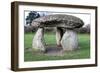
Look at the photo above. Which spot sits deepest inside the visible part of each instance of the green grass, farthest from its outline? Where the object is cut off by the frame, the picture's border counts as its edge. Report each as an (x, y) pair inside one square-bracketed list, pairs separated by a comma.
[(82, 53)]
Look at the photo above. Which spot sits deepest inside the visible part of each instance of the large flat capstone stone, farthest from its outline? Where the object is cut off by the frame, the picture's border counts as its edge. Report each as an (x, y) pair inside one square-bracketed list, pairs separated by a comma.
[(58, 20)]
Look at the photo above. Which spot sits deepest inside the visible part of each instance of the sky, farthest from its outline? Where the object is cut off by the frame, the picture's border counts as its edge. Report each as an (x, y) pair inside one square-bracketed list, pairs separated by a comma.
[(83, 16)]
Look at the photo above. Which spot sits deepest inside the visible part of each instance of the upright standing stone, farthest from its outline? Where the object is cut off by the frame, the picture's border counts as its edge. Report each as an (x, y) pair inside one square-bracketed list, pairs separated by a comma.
[(69, 40), (59, 34), (38, 41)]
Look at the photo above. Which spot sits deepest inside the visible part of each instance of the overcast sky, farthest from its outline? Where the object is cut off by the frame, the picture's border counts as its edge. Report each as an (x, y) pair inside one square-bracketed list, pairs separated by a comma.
[(84, 17)]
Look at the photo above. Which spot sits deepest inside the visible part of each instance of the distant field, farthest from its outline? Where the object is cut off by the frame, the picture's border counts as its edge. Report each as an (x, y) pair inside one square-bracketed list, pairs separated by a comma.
[(83, 52)]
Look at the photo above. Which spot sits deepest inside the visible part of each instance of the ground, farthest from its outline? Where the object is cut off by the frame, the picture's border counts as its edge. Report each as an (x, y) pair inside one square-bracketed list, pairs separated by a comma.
[(82, 53)]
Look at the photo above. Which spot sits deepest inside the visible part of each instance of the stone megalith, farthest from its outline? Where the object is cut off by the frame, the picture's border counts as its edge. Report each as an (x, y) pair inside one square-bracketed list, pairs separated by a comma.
[(59, 34), (69, 39), (38, 43)]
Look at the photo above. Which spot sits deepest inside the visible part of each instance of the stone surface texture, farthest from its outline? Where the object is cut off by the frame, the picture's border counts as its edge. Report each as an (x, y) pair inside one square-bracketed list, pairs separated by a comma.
[(59, 34), (69, 40), (58, 20), (38, 43)]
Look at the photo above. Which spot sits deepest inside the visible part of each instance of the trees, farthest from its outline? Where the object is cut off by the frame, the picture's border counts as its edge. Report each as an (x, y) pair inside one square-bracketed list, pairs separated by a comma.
[(31, 16), (88, 28), (85, 29)]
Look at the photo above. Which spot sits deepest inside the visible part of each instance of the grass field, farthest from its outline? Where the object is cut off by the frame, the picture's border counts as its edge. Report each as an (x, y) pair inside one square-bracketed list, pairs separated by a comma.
[(82, 53)]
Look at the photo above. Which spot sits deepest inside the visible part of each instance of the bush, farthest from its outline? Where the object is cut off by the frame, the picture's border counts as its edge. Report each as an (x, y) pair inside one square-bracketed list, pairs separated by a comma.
[(49, 29), (85, 29), (29, 29)]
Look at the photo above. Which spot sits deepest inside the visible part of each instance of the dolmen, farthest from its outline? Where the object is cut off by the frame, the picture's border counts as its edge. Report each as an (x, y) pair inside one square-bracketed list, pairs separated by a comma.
[(68, 40)]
